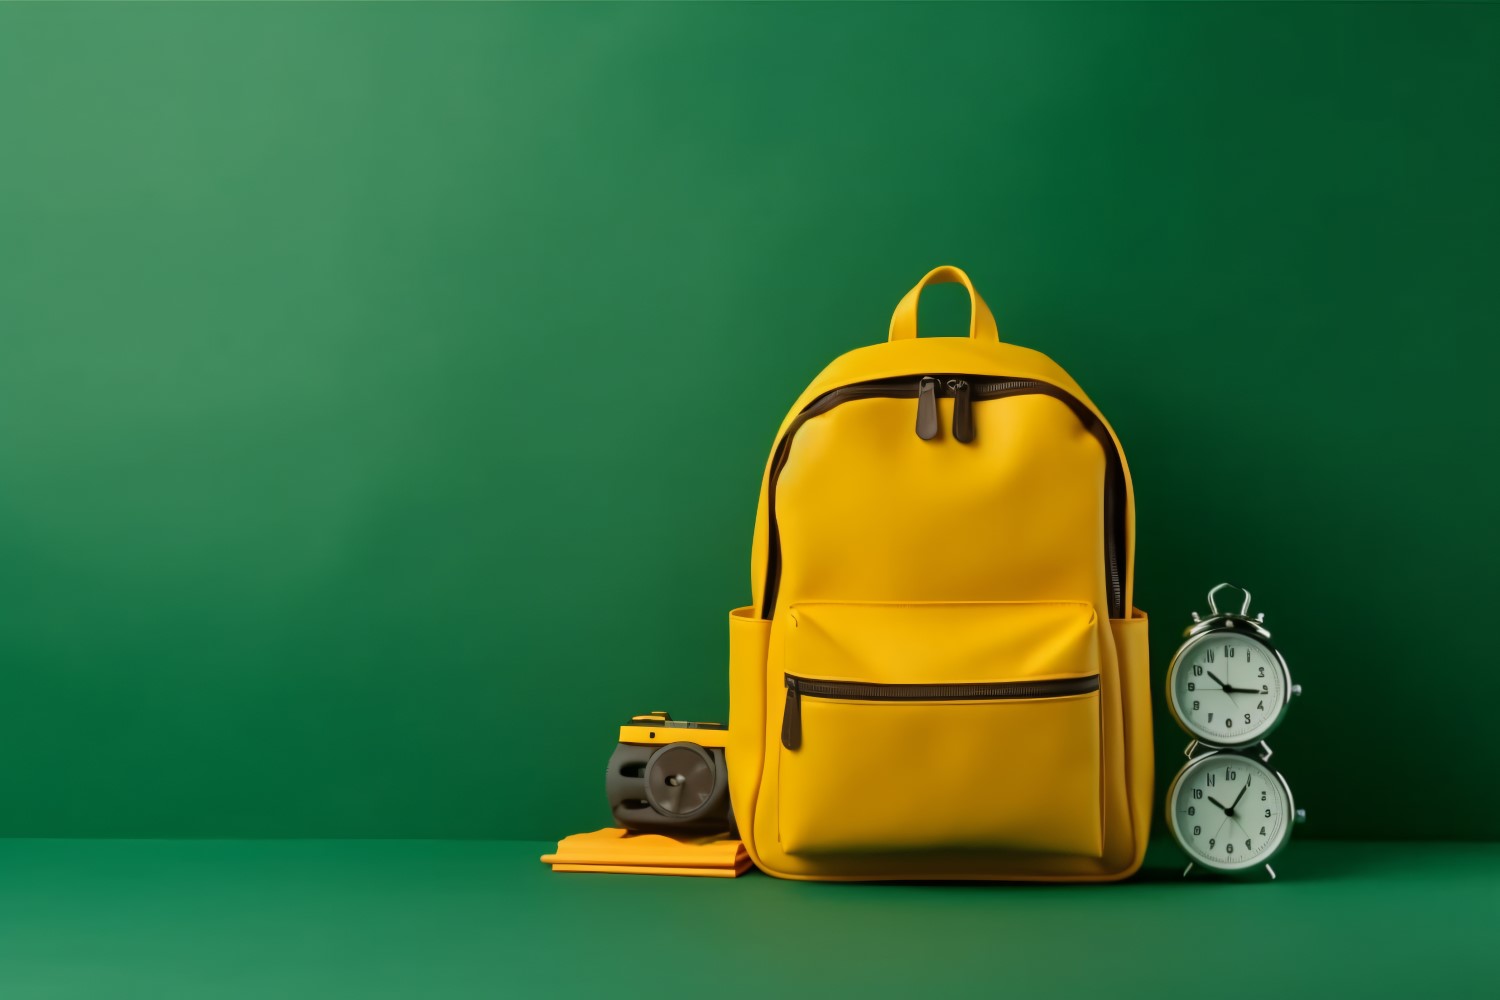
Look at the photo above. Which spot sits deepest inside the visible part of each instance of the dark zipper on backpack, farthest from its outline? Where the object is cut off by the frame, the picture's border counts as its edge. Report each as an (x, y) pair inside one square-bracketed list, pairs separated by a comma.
[(798, 688), (965, 391)]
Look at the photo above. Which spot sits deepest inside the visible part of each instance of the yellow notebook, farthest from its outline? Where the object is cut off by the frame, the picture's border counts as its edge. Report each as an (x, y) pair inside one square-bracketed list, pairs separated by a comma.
[(616, 850), (646, 870)]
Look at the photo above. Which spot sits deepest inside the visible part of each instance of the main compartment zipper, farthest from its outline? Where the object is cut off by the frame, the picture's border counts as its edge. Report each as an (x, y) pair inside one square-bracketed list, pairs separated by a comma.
[(928, 391), (965, 391), (798, 688)]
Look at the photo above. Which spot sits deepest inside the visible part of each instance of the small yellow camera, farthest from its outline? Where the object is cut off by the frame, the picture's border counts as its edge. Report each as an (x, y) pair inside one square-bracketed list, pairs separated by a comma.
[(669, 777)]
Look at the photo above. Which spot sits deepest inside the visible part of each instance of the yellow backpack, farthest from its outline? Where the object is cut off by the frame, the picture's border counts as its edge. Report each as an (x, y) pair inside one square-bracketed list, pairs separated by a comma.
[(942, 676)]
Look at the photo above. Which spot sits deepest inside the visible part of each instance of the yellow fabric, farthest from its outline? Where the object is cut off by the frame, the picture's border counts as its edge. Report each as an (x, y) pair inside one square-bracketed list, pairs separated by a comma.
[(906, 560), (615, 850), (734, 872)]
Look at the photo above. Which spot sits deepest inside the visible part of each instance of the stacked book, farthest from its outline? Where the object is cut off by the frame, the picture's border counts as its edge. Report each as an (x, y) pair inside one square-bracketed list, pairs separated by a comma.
[(616, 850)]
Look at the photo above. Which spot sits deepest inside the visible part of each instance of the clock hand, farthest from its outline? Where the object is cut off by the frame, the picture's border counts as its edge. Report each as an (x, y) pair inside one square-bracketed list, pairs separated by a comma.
[(1240, 828), (1229, 814), (1229, 688), (1220, 831), (1220, 805), (1241, 795)]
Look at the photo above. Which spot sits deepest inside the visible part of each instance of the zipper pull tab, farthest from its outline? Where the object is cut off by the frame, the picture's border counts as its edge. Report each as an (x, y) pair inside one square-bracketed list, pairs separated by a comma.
[(963, 411), (791, 719), (927, 409)]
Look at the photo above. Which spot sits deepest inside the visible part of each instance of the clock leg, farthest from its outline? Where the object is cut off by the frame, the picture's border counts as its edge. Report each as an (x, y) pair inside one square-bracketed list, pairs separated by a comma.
[(1187, 869), (1271, 872)]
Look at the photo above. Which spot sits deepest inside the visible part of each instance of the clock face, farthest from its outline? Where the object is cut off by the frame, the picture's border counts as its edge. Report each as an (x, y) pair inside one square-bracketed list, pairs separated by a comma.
[(1229, 812), (1227, 688)]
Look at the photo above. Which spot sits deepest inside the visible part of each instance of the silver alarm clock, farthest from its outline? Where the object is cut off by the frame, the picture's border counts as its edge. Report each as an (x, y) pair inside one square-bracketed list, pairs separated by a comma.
[(1230, 812), (1228, 685)]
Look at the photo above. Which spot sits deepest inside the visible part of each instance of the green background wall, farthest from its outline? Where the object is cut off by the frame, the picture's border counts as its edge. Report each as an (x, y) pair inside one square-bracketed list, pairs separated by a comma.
[(384, 389)]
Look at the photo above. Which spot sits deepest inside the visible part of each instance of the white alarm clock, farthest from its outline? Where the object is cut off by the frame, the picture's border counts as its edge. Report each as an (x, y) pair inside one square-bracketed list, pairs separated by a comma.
[(1228, 685), (1230, 812)]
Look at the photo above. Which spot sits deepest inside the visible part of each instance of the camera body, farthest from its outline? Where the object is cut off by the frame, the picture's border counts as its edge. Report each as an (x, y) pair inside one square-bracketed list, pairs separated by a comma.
[(669, 777)]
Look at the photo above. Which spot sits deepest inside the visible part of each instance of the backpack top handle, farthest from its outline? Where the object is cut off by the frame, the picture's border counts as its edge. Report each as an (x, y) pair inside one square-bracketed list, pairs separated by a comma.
[(981, 320)]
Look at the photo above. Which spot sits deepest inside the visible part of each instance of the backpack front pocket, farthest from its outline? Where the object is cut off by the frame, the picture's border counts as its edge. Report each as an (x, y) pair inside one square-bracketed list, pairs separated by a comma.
[(931, 727)]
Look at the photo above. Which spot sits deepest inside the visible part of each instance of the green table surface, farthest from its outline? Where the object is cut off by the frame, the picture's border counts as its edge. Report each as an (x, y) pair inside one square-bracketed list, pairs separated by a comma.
[(484, 919)]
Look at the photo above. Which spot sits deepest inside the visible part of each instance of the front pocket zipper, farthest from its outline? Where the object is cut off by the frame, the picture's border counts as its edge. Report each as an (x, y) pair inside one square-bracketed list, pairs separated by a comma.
[(798, 688), (965, 390)]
